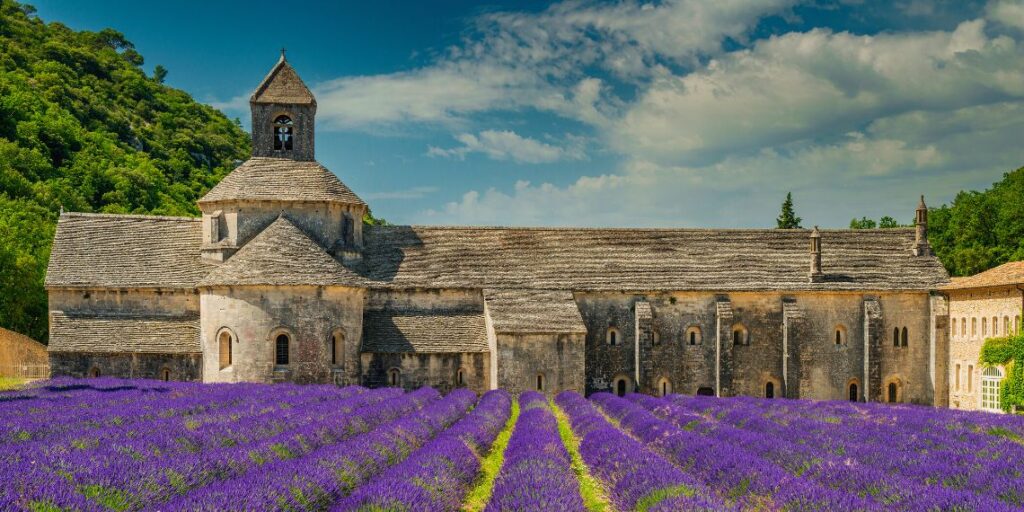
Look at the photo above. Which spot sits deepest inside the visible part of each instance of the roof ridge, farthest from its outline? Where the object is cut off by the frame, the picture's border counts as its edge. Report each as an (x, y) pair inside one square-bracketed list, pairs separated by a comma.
[(129, 216), (634, 229)]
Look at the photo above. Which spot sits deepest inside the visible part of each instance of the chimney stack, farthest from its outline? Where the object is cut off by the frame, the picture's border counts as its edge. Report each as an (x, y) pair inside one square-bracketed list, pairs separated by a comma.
[(817, 275), (921, 246)]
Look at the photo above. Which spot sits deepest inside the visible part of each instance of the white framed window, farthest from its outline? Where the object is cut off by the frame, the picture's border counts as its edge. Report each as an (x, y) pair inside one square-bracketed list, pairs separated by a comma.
[(990, 380)]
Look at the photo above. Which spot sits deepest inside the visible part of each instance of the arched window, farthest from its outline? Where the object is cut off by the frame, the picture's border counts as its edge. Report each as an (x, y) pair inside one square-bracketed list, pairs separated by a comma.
[(165, 375), (905, 337), (394, 377), (893, 392), (995, 326), (990, 380), (338, 348), (854, 392), (984, 326), (970, 378), (740, 335), (224, 340), (284, 132), (540, 382), (281, 346), (693, 335), (769, 390), (956, 378), (840, 335), (705, 391), (1006, 326), (1016, 324), (621, 385), (974, 326), (963, 327), (895, 336), (94, 372), (613, 336), (460, 378), (664, 387), (952, 328)]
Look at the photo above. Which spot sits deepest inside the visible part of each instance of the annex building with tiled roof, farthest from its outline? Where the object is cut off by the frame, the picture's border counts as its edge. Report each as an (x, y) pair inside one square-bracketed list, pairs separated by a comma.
[(280, 280)]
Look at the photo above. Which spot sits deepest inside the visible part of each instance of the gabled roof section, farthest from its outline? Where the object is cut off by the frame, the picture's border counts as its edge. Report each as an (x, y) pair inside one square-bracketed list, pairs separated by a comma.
[(424, 331), (281, 255), (125, 251), (639, 260), (281, 179), (1007, 274), (282, 85), (70, 332), (519, 311)]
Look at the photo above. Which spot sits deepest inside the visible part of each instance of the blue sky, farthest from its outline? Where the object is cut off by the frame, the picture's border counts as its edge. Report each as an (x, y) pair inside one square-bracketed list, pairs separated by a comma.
[(668, 114)]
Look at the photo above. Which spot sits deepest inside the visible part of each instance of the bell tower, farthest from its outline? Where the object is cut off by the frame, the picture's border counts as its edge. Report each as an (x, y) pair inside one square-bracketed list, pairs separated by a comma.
[(283, 112)]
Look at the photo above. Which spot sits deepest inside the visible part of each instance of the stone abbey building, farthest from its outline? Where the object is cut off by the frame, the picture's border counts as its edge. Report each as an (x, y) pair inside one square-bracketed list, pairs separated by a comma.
[(281, 281)]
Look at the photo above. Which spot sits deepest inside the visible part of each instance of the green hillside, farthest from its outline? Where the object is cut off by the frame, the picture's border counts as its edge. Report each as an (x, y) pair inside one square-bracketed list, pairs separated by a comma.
[(83, 127)]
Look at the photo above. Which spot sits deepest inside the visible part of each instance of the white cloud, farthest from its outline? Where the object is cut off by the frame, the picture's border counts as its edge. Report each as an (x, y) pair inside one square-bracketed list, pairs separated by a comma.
[(1006, 12), (508, 145), (809, 85)]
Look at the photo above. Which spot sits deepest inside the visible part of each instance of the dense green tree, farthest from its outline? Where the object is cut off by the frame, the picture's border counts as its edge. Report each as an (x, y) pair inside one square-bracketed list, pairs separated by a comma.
[(787, 217), (862, 223), (159, 74), (888, 222), (82, 127), (980, 230)]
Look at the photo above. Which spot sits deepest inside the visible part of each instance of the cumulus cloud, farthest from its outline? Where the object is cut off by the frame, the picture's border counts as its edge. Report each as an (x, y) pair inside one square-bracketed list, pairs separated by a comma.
[(508, 145), (409, 193), (1007, 12)]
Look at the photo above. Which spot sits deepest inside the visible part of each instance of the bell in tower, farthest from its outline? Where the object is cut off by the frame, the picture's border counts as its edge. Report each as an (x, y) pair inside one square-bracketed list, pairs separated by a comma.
[(283, 111)]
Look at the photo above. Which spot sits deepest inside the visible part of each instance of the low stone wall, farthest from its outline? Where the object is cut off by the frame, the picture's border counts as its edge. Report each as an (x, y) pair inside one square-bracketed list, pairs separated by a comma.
[(182, 367), (22, 357)]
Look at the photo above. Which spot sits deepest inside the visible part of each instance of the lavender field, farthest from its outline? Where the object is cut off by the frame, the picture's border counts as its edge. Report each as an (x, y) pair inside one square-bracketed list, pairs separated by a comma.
[(109, 444)]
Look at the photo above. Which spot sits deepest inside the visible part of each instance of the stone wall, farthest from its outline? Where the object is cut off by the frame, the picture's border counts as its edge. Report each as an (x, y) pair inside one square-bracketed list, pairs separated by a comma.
[(179, 367), (21, 356), (558, 359), (969, 307), (439, 371), (817, 366), (255, 316), (174, 302), (263, 115)]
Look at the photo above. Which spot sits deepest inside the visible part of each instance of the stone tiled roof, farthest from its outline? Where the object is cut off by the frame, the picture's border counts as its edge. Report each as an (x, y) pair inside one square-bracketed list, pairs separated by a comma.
[(1007, 274), (282, 85), (424, 331), (281, 255), (124, 334), (281, 179), (533, 311), (125, 251), (643, 259)]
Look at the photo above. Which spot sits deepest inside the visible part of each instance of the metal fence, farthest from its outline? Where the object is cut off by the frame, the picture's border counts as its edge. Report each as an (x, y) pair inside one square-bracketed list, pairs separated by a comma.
[(26, 371)]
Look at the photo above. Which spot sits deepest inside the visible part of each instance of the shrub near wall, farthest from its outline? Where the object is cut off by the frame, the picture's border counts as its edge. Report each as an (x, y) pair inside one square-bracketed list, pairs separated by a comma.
[(1008, 352)]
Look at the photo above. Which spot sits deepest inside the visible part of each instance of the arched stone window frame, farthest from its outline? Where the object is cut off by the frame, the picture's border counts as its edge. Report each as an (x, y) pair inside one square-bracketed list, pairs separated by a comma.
[(963, 327), (394, 376), (895, 336), (740, 335), (274, 334), (277, 122), (165, 374), (905, 337), (228, 362), (952, 328), (887, 389), (94, 372), (984, 326), (626, 383), (853, 389), (613, 336), (991, 378), (664, 387), (974, 326), (776, 387), (336, 348), (1006, 325), (693, 335), (840, 335), (460, 377), (1016, 324), (541, 383)]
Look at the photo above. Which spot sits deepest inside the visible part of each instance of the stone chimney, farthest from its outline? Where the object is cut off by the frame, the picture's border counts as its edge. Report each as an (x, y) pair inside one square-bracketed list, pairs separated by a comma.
[(921, 246), (817, 275)]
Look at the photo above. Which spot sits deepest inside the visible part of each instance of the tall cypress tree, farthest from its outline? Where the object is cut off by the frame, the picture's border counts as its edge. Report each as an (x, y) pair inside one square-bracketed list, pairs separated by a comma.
[(787, 218)]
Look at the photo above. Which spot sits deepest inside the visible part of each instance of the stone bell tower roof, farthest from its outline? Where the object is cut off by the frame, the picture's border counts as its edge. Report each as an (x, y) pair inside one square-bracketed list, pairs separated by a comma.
[(282, 85)]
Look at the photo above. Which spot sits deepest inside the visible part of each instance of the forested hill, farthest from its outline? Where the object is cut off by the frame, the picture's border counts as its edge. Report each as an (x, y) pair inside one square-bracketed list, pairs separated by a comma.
[(83, 127), (981, 230)]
